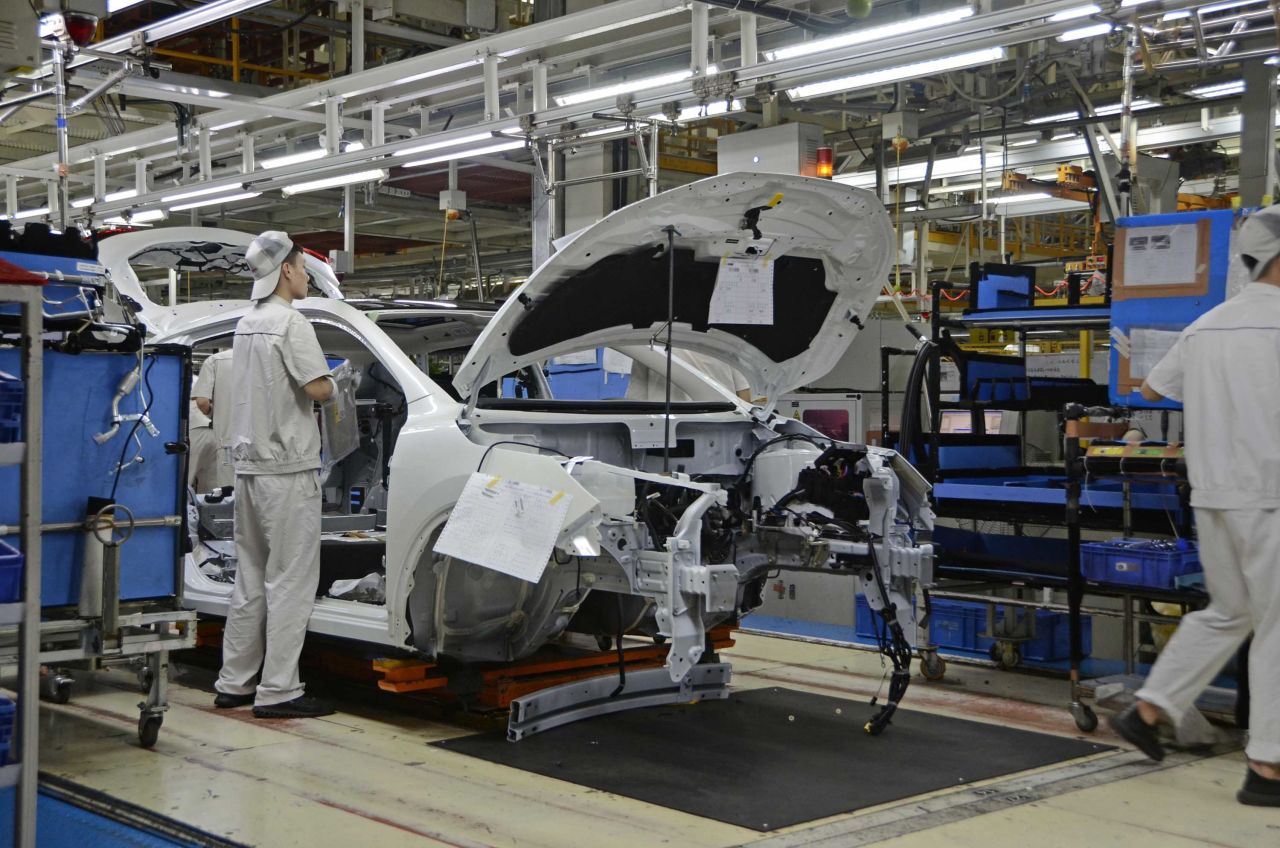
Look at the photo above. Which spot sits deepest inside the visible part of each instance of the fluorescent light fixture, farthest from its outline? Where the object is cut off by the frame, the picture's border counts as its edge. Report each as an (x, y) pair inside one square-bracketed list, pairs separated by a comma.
[(1026, 142), (1222, 7), (294, 158), (440, 145), (334, 182), (902, 72), (867, 36), (30, 213), (1116, 108), (82, 202), (960, 188), (1053, 119), (1090, 31), (608, 92), (710, 110), (1274, 60), (1077, 12), (212, 201), (146, 216), (197, 192), (1129, 4), (1180, 15), (1221, 89), (1021, 198), (228, 125), (114, 6), (467, 154), (1063, 136)]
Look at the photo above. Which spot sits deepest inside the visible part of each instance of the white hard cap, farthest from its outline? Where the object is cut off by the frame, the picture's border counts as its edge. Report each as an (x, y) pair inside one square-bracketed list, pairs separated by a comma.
[(1259, 240), (265, 257)]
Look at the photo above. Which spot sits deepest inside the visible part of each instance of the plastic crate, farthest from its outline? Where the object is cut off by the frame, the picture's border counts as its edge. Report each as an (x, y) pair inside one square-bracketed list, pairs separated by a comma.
[(1150, 563), (958, 627), (10, 573), (7, 711), (12, 393)]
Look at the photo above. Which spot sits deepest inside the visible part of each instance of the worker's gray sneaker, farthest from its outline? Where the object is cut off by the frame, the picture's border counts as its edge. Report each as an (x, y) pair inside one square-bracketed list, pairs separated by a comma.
[(1259, 791), (229, 702), (301, 707), (1129, 724)]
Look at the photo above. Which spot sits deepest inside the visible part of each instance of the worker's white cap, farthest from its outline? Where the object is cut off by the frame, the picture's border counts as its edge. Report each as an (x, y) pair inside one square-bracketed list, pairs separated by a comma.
[(1259, 240), (265, 257)]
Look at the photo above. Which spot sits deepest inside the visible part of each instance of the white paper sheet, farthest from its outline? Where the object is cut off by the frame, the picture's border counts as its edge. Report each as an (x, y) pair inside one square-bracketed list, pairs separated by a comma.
[(1161, 256), (743, 293), (1147, 347), (616, 363), (581, 357), (505, 525)]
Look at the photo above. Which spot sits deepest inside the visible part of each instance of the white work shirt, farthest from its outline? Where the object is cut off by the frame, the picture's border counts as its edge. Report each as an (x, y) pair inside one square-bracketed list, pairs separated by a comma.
[(213, 382), (1225, 368), (273, 426)]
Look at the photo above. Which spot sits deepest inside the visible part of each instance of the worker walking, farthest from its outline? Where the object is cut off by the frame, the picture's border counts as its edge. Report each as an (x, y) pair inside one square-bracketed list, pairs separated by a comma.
[(213, 382), (1225, 368), (202, 459), (277, 371)]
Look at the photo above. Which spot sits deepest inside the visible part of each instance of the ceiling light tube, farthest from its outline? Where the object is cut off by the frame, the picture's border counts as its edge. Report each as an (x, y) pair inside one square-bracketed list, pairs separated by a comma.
[(145, 216), (440, 145), (709, 110), (873, 34), (293, 158), (466, 154), (1129, 4), (608, 92), (1221, 89), (1077, 12), (1021, 198), (82, 202), (1090, 31), (198, 192), (334, 182), (212, 201), (30, 213), (898, 74)]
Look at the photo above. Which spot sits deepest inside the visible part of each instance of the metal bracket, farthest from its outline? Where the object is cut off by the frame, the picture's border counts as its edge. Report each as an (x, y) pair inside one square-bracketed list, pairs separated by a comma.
[(570, 702)]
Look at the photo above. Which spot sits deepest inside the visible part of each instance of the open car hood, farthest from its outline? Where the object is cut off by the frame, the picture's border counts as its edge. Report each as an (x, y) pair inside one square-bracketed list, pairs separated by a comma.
[(829, 245)]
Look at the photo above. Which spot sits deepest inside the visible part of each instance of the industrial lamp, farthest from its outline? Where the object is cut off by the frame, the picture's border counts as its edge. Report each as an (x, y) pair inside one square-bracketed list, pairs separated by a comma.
[(826, 159)]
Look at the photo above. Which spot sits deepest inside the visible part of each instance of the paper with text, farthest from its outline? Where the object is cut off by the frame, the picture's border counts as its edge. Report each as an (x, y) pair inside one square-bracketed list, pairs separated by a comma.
[(505, 525), (1161, 256), (1147, 347), (743, 292)]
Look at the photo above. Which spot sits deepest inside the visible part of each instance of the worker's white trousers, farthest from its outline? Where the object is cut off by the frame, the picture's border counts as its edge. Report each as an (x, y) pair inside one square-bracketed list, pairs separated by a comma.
[(277, 571), (1240, 553), (202, 461)]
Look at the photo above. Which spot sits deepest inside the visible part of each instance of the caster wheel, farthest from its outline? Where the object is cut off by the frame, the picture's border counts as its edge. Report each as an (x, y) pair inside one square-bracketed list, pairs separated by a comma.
[(605, 643), (145, 679), (62, 692), (932, 666), (1006, 656), (149, 730), (1086, 718)]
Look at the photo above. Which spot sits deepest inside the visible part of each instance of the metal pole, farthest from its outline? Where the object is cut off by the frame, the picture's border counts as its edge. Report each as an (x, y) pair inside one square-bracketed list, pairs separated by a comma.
[(699, 38), (654, 140), (747, 39), (1128, 173), (29, 635), (671, 232), (60, 130), (357, 36)]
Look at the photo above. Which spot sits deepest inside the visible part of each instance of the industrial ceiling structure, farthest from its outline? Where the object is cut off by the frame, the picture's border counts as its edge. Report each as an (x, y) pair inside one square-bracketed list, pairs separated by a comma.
[(344, 123)]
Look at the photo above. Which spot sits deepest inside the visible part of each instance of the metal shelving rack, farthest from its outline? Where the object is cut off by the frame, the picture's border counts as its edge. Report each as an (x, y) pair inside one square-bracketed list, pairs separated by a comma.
[(26, 614)]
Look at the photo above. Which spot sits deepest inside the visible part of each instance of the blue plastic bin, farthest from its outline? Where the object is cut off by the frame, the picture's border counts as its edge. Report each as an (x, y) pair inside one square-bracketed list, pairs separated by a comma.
[(958, 627), (10, 573), (11, 395), (6, 728), (1150, 563)]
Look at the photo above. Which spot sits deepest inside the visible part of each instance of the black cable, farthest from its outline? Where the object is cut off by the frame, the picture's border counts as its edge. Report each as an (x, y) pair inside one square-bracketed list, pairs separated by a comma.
[(622, 662), (802, 436), (493, 445), (151, 398)]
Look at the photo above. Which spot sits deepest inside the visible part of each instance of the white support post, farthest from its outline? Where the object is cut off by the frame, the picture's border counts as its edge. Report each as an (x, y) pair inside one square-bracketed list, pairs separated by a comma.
[(357, 36), (54, 196), (99, 177), (247, 154), (453, 175), (140, 182), (539, 88), (747, 39), (700, 37), (333, 125), (173, 286), (491, 87), (378, 114), (206, 156), (11, 196)]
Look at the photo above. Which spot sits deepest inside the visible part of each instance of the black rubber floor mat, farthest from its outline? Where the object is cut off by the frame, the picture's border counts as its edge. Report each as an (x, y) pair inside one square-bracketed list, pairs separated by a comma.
[(771, 758)]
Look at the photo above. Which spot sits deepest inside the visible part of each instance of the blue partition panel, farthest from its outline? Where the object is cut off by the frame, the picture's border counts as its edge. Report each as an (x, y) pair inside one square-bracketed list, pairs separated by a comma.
[(77, 405)]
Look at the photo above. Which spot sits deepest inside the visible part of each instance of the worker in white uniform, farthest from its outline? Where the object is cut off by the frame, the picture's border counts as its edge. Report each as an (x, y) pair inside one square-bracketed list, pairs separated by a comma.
[(202, 459), (278, 370), (214, 380), (1225, 368)]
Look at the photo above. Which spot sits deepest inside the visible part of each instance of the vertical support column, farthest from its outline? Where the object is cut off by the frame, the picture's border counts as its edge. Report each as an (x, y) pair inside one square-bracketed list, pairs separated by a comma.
[(539, 88), (655, 139), (140, 181), (206, 156), (378, 114), (700, 37), (58, 209), (542, 207), (357, 36), (491, 87), (10, 196), (747, 40), (247, 153), (99, 177), (173, 286), (29, 632), (1086, 354), (1258, 134), (235, 50)]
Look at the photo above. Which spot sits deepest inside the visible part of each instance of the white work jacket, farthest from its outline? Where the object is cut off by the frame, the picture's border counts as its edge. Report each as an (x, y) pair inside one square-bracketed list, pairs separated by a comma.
[(273, 426), (1225, 368)]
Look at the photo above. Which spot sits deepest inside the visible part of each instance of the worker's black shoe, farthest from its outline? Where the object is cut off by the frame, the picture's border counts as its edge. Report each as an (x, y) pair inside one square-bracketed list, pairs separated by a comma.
[(1129, 724), (1259, 791), (228, 702), (302, 707)]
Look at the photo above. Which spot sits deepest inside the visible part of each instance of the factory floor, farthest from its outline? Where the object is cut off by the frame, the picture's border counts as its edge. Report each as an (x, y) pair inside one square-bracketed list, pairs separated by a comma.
[(366, 776)]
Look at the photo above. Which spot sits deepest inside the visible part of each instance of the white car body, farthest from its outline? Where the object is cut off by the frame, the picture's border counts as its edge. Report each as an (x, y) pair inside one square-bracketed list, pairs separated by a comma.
[(830, 246)]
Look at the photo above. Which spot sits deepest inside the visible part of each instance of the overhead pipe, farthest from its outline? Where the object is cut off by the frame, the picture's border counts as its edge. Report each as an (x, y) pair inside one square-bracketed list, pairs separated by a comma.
[(114, 77)]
